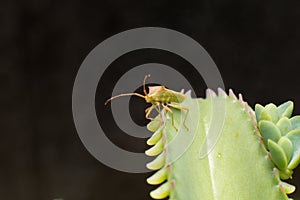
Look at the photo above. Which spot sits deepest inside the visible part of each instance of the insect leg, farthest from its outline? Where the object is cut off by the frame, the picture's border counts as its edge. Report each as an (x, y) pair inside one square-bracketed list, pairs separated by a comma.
[(171, 112), (181, 108), (148, 111), (157, 108)]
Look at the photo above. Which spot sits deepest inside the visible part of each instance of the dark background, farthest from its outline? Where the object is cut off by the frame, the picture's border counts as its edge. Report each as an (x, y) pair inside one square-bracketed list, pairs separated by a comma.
[(255, 44)]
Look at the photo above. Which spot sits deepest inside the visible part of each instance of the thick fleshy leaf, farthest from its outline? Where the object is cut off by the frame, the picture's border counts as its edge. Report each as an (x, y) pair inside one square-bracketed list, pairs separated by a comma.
[(158, 162), (284, 125), (294, 137), (270, 113), (277, 155), (258, 109), (295, 122), (158, 177), (156, 149), (287, 146), (288, 188), (286, 109), (155, 137), (161, 192), (237, 161), (154, 124), (264, 115), (287, 174), (269, 130)]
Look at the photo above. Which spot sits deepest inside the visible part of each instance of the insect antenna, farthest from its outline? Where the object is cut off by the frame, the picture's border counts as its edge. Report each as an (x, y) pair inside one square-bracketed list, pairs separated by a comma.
[(122, 95), (144, 83)]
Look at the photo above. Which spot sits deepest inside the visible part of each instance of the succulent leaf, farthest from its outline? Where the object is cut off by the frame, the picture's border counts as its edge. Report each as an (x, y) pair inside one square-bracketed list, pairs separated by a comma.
[(225, 170), (258, 109), (154, 124), (156, 149), (295, 122), (270, 113), (264, 115), (287, 174), (158, 177), (155, 137), (288, 188), (268, 131), (285, 125), (161, 192), (294, 137), (277, 154), (286, 109), (158, 162), (287, 146)]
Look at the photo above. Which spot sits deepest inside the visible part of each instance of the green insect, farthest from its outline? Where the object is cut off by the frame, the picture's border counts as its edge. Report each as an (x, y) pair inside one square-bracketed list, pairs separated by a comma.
[(159, 96)]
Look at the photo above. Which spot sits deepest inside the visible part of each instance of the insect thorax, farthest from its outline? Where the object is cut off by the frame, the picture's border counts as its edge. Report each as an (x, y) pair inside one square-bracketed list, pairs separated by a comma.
[(162, 95)]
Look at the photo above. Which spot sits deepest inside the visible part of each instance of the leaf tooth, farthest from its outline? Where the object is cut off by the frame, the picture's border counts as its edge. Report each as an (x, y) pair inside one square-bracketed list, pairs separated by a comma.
[(247, 108), (221, 92), (161, 192), (252, 115), (172, 184), (158, 177), (231, 93), (241, 98), (156, 149), (210, 93), (276, 173), (158, 162), (188, 93), (157, 135)]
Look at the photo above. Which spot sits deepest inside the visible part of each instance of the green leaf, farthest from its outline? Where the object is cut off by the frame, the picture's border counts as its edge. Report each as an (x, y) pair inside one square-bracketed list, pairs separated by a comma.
[(235, 168), (258, 109), (288, 188), (162, 192), (287, 146), (277, 155), (264, 115), (294, 137), (269, 130), (154, 124), (285, 125), (156, 149), (158, 162), (286, 174), (158, 177), (155, 137), (295, 122), (286, 109), (270, 113)]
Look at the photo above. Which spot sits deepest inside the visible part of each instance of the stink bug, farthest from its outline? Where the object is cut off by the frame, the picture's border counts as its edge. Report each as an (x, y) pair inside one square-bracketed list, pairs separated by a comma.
[(159, 96)]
